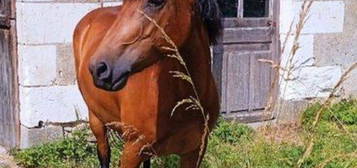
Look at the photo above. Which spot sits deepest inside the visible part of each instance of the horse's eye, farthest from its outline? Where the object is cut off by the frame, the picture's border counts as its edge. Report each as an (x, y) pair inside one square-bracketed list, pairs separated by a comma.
[(156, 3)]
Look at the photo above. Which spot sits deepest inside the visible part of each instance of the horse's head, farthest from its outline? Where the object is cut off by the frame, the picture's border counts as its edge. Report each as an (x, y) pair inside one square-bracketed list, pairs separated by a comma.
[(133, 42)]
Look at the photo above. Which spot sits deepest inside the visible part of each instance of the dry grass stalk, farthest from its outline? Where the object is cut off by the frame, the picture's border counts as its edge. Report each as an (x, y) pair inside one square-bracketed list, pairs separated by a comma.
[(340, 123), (132, 134), (290, 66), (328, 101), (115, 137), (282, 134), (129, 132), (194, 101), (285, 71), (323, 108), (276, 68), (287, 36), (348, 155)]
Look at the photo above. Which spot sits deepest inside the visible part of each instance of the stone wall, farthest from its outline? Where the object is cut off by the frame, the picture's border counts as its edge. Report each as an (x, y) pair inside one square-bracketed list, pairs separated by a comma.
[(326, 48), (48, 90)]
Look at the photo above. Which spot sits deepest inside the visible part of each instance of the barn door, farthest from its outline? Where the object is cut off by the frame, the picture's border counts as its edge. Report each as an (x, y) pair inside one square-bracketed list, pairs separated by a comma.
[(8, 83), (250, 35)]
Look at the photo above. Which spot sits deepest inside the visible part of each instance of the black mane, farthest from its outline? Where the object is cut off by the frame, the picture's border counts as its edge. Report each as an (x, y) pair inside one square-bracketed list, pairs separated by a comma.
[(211, 16)]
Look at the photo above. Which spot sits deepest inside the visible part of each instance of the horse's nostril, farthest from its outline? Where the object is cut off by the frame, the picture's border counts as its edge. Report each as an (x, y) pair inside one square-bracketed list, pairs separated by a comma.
[(101, 68), (102, 71)]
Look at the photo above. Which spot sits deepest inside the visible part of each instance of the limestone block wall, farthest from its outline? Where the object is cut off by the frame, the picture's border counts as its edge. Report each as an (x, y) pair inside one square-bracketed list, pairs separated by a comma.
[(326, 48), (48, 90)]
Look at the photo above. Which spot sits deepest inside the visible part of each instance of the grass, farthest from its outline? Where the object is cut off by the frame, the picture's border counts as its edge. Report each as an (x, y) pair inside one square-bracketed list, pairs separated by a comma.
[(231, 145)]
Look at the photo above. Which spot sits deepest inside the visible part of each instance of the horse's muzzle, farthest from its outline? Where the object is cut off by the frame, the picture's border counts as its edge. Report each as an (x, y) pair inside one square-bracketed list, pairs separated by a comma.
[(109, 78)]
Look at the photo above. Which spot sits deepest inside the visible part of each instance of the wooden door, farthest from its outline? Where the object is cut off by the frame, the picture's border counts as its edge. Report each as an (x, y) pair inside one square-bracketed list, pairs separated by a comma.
[(9, 125), (250, 35)]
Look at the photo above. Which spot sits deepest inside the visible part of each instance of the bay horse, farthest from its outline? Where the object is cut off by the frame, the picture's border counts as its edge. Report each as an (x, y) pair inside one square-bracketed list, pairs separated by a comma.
[(123, 74)]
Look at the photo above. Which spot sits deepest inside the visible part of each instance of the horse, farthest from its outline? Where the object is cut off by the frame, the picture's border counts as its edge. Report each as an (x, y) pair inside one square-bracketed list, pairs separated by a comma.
[(122, 71)]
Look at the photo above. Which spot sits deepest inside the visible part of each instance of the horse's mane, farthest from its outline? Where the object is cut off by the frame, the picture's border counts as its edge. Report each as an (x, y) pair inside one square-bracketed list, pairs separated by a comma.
[(211, 16)]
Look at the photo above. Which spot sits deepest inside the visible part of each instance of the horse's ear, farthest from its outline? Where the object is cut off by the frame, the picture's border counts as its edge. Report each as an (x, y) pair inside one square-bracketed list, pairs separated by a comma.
[(211, 16)]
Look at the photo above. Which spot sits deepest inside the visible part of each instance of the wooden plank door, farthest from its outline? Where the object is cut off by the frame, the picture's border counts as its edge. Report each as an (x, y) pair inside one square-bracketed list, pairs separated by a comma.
[(250, 35), (5, 13), (9, 124)]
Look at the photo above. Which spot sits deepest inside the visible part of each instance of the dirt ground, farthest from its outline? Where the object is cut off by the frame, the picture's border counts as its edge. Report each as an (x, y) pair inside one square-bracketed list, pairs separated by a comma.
[(6, 161), (282, 133)]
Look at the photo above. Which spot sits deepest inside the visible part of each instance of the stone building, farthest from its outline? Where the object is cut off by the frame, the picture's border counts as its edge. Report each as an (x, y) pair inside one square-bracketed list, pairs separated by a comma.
[(38, 81)]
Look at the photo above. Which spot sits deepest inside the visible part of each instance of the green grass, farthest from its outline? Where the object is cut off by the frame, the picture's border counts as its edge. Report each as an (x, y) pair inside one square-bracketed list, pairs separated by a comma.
[(231, 145), (248, 150)]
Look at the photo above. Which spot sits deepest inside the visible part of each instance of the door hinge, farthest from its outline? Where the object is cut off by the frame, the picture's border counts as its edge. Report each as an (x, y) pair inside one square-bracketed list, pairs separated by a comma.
[(271, 23)]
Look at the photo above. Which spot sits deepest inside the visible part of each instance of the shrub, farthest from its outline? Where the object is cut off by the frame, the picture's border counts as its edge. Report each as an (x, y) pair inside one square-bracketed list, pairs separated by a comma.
[(232, 132), (344, 112), (330, 138), (65, 153)]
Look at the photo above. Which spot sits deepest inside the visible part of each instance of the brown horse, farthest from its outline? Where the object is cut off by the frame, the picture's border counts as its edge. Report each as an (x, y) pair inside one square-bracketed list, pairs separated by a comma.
[(123, 74)]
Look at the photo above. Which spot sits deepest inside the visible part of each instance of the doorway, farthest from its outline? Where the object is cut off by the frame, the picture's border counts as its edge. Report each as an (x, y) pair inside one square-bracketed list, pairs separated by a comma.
[(9, 122), (250, 35)]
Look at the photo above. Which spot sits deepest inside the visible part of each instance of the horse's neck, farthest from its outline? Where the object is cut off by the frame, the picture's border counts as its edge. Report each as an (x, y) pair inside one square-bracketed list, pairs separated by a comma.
[(196, 53), (197, 56)]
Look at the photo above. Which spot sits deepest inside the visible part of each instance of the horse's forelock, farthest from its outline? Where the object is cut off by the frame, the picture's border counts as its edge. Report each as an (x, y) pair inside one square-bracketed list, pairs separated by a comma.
[(211, 16)]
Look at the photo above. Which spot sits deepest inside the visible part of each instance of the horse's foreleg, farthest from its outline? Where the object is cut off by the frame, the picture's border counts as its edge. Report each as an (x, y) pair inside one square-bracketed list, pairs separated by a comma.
[(192, 159), (132, 157), (99, 131)]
